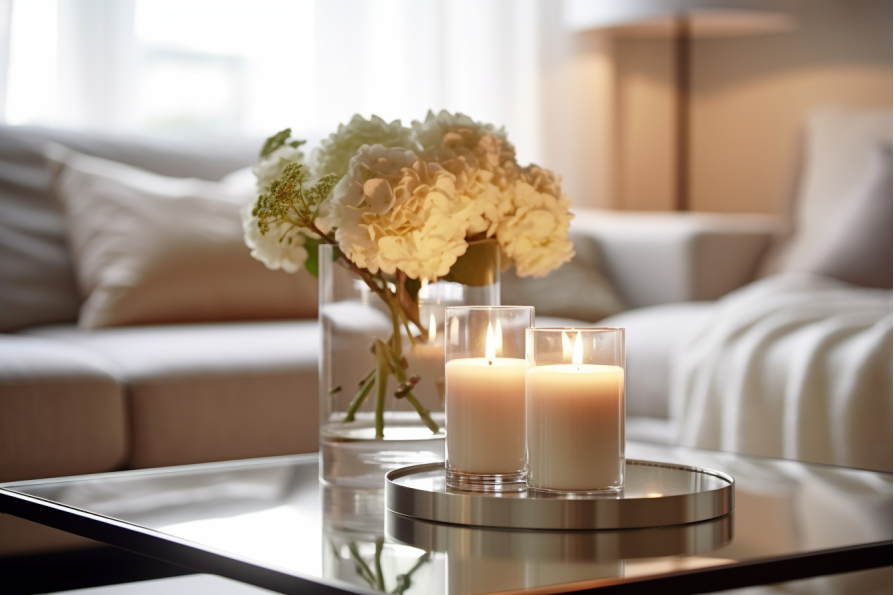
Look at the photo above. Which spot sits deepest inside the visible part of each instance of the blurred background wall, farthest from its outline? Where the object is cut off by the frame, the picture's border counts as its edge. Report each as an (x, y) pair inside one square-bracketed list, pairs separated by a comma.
[(592, 105), (750, 95)]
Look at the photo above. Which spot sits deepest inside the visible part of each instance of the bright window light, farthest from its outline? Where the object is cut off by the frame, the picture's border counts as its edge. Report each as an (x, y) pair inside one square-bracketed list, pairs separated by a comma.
[(253, 67), (224, 66), (31, 89)]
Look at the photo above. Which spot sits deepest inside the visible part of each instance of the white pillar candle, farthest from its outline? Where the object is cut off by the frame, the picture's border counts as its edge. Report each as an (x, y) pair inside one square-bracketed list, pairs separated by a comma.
[(486, 415), (486, 412), (575, 433)]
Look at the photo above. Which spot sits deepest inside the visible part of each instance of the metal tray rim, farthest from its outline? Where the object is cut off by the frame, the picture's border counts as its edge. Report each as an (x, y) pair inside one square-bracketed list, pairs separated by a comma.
[(597, 512)]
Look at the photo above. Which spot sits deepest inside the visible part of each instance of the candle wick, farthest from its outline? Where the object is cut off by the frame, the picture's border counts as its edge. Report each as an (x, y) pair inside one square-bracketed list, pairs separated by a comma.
[(490, 363)]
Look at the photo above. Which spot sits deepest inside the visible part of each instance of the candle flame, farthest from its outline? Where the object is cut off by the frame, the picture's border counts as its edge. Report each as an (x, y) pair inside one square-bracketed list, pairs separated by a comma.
[(578, 358), (432, 327), (498, 340), (567, 348), (489, 352)]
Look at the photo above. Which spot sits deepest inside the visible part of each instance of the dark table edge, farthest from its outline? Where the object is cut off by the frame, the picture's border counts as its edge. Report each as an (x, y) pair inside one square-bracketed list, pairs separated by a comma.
[(183, 553), (160, 546)]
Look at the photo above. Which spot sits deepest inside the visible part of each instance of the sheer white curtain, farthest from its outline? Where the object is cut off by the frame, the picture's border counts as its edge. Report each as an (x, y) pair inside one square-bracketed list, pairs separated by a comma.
[(252, 67)]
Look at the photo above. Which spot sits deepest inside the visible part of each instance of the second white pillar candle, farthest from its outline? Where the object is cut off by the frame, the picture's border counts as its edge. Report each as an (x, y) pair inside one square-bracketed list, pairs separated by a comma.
[(575, 427)]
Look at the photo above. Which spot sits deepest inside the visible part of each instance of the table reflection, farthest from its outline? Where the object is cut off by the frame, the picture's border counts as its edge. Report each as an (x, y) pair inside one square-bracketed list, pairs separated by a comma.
[(369, 546), (355, 548)]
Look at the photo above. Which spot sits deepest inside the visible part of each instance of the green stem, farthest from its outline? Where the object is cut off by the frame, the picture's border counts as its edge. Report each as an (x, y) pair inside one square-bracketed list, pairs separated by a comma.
[(362, 568), (382, 372), (424, 414), (396, 343), (360, 397), (380, 541), (406, 322), (401, 375), (407, 581)]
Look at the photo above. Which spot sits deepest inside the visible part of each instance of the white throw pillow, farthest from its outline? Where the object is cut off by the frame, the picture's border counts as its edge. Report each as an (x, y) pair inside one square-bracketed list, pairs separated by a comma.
[(838, 144), (153, 249), (858, 246)]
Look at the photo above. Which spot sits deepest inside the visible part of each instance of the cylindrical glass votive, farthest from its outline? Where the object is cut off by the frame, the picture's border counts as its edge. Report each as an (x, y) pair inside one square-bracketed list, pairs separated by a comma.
[(485, 393), (575, 410)]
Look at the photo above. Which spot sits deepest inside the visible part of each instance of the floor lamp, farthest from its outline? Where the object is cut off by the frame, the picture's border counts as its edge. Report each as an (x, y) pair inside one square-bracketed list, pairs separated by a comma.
[(682, 21)]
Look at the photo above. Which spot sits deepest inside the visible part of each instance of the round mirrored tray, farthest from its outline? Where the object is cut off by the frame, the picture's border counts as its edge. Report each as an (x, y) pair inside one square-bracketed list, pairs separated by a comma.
[(568, 545), (654, 495)]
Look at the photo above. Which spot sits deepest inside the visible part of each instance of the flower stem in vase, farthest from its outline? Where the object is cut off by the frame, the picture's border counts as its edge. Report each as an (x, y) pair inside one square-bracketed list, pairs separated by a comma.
[(404, 391), (382, 372), (365, 386), (389, 360)]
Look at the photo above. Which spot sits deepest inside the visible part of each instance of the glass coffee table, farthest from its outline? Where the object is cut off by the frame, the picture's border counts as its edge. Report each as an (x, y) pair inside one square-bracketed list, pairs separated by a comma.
[(270, 523)]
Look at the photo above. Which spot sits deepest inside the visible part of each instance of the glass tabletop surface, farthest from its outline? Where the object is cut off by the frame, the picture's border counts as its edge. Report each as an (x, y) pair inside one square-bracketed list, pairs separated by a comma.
[(276, 513)]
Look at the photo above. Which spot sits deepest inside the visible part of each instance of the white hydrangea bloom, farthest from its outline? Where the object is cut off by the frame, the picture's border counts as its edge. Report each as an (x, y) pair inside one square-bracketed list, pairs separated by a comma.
[(430, 133), (425, 232), (334, 154), (410, 200), (482, 201), (535, 235), (342, 210), (271, 167), (482, 160), (393, 211), (282, 247)]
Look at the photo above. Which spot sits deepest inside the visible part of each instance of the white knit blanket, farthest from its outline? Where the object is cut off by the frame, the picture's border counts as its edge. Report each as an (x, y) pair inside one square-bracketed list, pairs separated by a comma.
[(792, 366)]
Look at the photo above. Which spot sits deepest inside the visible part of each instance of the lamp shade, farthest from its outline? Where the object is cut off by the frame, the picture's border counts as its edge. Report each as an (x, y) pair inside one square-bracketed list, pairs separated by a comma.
[(707, 18)]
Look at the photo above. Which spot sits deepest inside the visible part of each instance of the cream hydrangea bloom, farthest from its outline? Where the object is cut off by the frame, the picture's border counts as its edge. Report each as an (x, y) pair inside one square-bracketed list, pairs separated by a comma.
[(282, 247), (430, 133), (343, 210), (425, 232), (271, 167), (393, 211), (480, 157), (483, 202), (535, 235), (334, 154)]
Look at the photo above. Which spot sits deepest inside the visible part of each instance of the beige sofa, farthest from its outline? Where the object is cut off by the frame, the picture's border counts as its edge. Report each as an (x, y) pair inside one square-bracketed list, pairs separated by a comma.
[(75, 400)]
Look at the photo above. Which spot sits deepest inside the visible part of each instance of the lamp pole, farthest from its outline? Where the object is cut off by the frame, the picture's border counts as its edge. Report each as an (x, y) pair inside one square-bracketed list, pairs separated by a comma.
[(682, 100)]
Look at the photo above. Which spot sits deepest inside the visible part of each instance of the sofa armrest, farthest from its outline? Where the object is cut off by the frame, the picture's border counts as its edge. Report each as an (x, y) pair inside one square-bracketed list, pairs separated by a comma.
[(658, 258)]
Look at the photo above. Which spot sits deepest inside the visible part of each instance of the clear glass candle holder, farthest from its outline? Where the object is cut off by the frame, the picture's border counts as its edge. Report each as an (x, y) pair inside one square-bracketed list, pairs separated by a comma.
[(575, 410), (485, 397)]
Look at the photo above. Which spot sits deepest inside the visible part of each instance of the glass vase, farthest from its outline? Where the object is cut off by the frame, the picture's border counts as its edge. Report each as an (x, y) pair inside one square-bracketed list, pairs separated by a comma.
[(381, 398)]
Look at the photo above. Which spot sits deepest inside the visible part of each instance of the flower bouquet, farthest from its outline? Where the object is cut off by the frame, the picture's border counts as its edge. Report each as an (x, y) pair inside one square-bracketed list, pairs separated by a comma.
[(403, 208)]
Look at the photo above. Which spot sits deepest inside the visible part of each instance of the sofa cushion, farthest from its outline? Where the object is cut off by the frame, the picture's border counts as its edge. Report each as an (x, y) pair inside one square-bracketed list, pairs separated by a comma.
[(838, 144), (155, 249), (651, 336), (62, 411), (35, 267), (585, 291), (207, 392), (858, 247)]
